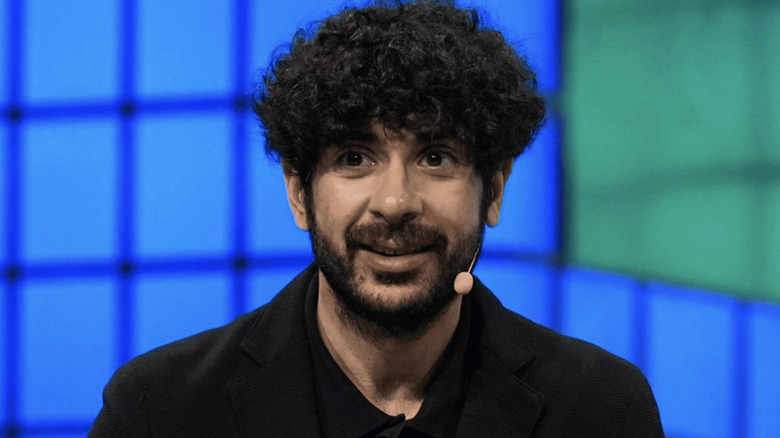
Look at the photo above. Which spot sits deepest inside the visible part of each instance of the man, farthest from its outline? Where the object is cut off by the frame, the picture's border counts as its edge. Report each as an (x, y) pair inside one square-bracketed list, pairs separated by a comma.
[(396, 127)]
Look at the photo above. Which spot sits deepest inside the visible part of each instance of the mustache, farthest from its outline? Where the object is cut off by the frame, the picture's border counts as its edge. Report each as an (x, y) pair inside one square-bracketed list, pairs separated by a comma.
[(406, 236)]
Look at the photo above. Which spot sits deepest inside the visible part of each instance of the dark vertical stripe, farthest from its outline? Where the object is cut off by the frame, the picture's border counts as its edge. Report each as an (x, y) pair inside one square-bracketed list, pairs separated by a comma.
[(12, 329), (125, 303), (563, 224), (14, 190), (127, 49), (558, 41), (12, 347), (15, 50), (556, 290), (556, 297), (559, 259), (561, 180), (741, 369), (642, 327), (240, 159)]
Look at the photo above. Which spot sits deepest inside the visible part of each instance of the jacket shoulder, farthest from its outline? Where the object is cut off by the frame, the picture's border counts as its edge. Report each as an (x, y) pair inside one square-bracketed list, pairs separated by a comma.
[(204, 353), (583, 386), (184, 388), (589, 388), (212, 356), (176, 389)]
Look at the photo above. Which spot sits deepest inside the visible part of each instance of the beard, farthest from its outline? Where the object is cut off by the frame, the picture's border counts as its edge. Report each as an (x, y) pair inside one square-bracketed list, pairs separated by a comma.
[(433, 291)]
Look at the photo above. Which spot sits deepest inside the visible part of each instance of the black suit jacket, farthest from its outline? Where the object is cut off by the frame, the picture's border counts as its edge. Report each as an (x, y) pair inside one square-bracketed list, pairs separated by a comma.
[(253, 378)]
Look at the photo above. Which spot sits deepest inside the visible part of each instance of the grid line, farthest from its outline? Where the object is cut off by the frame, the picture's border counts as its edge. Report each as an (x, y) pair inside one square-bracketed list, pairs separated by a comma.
[(240, 159), (641, 325), (125, 303), (740, 369), (15, 54), (240, 263)]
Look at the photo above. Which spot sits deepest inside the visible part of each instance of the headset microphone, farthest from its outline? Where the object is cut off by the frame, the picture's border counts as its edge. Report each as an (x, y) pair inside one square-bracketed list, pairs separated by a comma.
[(464, 281)]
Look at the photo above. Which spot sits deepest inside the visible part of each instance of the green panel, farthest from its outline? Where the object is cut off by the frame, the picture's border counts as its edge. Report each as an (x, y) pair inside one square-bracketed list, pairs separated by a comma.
[(672, 159), (771, 277)]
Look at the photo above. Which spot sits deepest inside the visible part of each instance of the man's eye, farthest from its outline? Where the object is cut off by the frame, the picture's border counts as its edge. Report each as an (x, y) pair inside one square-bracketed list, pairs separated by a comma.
[(433, 159), (438, 159), (354, 159)]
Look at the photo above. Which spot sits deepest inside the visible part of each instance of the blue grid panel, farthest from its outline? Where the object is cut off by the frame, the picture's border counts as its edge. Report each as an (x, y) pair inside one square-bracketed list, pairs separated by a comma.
[(272, 229), (599, 308), (691, 361), (763, 383), (267, 281), (3, 359), (3, 192), (69, 189), (185, 47), (184, 185), (273, 24), (532, 27), (524, 288), (38, 434), (70, 50), (5, 86), (170, 307), (529, 213), (67, 347)]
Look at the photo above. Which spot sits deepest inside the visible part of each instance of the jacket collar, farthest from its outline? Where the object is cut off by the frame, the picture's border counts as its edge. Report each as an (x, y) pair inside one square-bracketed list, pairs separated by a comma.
[(275, 395), (498, 401)]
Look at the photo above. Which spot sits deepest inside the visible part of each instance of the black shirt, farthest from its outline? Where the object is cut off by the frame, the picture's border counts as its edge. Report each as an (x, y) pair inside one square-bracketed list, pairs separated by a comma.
[(345, 413)]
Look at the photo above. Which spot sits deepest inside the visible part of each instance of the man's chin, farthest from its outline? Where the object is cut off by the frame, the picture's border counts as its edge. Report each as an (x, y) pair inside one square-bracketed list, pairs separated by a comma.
[(394, 298), (394, 310)]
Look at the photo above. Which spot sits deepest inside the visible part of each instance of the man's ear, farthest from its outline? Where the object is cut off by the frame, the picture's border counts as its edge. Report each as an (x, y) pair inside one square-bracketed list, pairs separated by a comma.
[(496, 192), (295, 195)]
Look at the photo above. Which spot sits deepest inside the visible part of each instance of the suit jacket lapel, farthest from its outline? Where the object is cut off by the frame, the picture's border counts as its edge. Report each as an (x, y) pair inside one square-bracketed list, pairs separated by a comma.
[(499, 406), (274, 395), (498, 402), (278, 400)]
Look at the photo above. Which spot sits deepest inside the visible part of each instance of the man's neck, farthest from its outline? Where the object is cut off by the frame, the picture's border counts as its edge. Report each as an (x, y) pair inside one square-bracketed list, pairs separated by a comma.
[(391, 373)]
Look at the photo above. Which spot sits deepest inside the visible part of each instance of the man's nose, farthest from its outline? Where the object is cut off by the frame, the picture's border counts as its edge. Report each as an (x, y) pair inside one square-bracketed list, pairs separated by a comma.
[(395, 198)]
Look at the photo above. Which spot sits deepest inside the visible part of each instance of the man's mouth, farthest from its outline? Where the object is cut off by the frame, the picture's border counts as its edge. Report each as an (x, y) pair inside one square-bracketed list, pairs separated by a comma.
[(388, 251)]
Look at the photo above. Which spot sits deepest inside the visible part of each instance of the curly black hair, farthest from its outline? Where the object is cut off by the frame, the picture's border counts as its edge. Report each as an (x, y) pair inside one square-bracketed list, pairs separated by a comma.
[(426, 66)]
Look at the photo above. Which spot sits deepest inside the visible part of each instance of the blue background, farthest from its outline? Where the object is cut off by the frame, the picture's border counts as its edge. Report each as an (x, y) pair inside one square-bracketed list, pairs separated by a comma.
[(137, 207)]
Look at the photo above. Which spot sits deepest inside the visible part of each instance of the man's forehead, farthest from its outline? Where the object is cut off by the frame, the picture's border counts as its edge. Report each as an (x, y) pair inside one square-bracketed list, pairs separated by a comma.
[(378, 131)]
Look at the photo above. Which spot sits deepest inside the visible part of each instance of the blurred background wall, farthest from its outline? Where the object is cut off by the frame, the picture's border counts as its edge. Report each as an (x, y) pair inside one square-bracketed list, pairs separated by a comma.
[(674, 141), (137, 206)]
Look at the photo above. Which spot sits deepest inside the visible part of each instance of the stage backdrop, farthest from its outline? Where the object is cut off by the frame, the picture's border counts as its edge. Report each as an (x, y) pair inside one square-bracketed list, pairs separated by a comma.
[(137, 206)]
